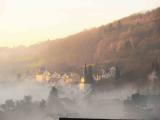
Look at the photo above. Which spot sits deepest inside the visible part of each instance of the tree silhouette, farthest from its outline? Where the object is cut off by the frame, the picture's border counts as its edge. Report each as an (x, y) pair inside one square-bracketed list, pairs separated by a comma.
[(156, 66), (117, 74), (88, 74)]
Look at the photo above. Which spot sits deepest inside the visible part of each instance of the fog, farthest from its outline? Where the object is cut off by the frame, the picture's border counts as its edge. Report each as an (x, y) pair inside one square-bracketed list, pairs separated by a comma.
[(30, 100), (17, 89)]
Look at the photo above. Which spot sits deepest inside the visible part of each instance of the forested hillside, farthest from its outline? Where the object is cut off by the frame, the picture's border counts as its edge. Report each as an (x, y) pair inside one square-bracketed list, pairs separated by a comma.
[(133, 41)]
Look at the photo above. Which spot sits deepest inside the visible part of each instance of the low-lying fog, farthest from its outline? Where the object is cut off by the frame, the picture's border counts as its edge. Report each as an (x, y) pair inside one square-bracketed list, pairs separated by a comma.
[(17, 89), (63, 101)]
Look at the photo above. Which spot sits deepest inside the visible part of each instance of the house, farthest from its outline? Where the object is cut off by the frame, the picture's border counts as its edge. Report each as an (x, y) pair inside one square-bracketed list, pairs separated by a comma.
[(44, 76)]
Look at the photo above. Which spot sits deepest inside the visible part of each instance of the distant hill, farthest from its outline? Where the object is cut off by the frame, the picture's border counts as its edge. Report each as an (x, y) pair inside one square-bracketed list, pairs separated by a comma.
[(133, 41)]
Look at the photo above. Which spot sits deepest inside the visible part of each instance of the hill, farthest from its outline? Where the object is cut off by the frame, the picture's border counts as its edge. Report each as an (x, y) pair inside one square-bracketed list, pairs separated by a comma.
[(133, 41)]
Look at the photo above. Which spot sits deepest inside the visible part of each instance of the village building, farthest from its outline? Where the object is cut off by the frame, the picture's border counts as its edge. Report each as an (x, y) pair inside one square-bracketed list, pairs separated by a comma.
[(44, 76)]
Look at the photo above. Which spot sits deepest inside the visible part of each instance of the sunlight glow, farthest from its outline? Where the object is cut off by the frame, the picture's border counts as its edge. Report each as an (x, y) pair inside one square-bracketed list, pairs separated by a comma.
[(82, 83), (25, 22)]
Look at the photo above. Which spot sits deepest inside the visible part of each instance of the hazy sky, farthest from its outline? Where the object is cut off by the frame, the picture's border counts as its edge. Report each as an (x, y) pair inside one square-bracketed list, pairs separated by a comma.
[(31, 21)]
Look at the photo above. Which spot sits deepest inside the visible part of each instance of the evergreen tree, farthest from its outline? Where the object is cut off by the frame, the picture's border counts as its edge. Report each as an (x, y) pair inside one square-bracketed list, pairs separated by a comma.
[(119, 25), (90, 74), (110, 27), (117, 74), (53, 93), (156, 66), (128, 45), (85, 73)]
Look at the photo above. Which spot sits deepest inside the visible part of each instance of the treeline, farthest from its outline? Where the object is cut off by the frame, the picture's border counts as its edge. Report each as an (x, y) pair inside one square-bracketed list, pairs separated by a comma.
[(27, 109)]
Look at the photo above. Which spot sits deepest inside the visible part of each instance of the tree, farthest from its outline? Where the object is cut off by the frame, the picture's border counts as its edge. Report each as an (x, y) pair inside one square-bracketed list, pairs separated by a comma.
[(27, 104), (53, 94), (42, 104), (156, 66), (110, 27), (88, 74), (128, 45), (85, 73), (9, 105), (54, 104), (117, 74), (119, 25)]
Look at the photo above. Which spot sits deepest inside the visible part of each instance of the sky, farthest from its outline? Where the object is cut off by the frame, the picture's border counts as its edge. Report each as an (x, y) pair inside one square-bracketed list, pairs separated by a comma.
[(26, 22)]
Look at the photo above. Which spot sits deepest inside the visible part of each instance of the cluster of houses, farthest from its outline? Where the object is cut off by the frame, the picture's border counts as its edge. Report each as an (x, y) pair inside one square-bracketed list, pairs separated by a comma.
[(43, 75), (110, 74), (47, 77)]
